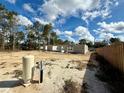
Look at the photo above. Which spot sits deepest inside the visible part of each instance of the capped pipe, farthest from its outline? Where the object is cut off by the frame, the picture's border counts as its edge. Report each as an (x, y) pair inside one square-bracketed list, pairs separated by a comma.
[(28, 64)]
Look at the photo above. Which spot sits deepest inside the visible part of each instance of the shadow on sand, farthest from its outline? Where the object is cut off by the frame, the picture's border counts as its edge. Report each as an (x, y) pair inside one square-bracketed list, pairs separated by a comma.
[(101, 77), (9, 84)]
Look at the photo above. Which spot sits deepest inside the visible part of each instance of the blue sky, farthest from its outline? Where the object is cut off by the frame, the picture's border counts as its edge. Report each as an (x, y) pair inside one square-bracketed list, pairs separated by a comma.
[(74, 19)]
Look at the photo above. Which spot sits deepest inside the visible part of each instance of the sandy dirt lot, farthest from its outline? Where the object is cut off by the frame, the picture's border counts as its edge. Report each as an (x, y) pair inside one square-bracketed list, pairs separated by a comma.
[(60, 72)]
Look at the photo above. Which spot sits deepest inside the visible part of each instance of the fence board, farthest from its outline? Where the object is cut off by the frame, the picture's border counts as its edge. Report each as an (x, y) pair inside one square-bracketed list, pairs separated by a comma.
[(114, 54)]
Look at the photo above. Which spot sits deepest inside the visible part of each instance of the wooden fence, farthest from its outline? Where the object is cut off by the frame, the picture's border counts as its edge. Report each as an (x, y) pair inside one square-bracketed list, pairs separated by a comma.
[(113, 54)]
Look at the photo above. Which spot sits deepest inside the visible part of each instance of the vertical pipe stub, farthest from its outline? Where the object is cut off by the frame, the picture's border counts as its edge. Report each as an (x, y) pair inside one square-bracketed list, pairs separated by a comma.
[(28, 64)]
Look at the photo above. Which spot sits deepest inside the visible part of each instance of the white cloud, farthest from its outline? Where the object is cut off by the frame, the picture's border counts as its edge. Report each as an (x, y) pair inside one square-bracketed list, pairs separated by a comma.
[(90, 15), (58, 32), (83, 33), (70, 38), (11, 1), (89, 9), (64, 33), (80, 32), (22, 20), (121, 37), (54, 8), (68, 33), (103, 10), (109, 30), (40, 20), (113, 27), (117, 3), (28, 7), (107, 36), (104, 36), (61, 21)]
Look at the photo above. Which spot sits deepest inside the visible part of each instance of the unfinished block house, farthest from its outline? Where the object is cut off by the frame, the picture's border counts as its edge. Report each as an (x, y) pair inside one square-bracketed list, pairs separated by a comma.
[(67, 48), (76, 49)]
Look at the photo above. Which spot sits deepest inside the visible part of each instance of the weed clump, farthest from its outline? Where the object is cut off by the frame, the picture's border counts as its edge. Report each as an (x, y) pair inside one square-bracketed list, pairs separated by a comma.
[(70, 87), (17, 73)]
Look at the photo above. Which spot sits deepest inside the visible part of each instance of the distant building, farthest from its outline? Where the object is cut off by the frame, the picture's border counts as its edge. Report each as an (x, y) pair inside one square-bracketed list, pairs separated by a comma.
[(76, 49), (67, 48)]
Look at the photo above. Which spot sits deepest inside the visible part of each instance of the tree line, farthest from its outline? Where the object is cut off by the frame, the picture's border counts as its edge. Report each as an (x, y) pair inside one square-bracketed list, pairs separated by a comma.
[(98, 44), (14, 36)]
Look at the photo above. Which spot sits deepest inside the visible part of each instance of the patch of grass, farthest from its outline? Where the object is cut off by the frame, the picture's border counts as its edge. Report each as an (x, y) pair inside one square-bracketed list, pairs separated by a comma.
[(67, 66), (53, 59), (2, 63), (49, 64), (80, 66), (3, 67), (7, 73), (75, 61), (72, 67), (17, 73), (15, 64), (49, 73), (70, 87), (79, 63)]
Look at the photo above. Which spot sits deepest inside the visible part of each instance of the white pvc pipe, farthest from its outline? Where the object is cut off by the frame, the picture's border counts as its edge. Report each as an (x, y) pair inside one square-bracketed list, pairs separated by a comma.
[(28, 64)]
